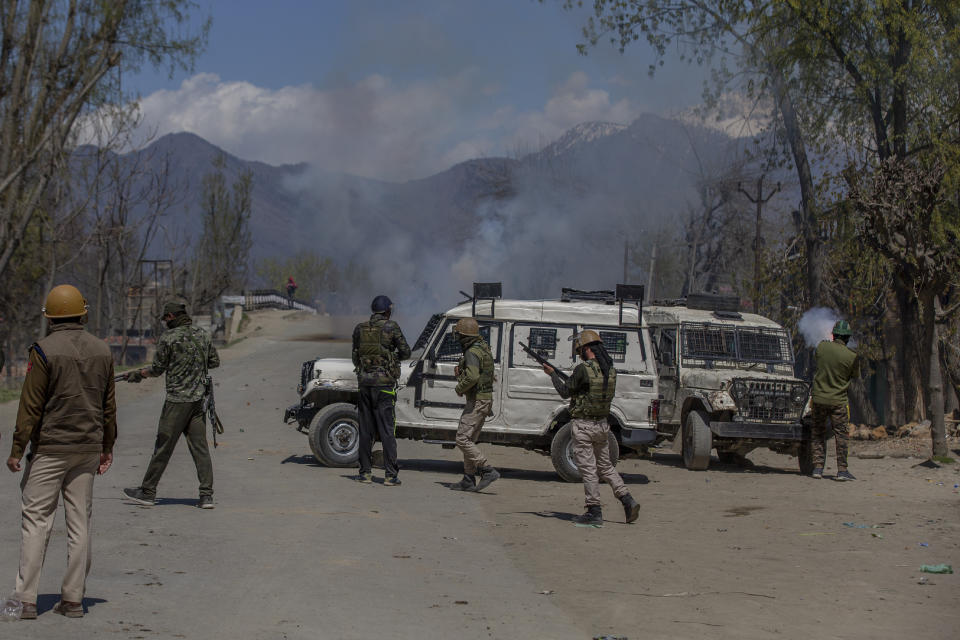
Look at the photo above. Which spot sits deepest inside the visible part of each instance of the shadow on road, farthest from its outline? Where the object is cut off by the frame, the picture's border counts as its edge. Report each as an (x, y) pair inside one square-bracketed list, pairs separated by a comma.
[(308, 460), (556, 515), (676, 460), (45, 602)]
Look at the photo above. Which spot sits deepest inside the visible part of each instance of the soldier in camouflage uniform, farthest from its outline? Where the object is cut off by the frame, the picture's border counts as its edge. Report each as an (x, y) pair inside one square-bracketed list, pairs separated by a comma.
[(474, 375), (185, 353), (378, 349), (591, 388), (837, 365)]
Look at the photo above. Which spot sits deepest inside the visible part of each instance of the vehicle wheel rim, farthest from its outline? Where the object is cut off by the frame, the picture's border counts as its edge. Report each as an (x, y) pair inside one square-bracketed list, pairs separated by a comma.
[(568, 453), (344, 436)]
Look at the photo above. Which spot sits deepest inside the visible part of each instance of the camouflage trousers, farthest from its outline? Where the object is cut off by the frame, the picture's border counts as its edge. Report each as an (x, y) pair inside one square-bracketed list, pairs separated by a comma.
[(838, 418), (180, 419), (475, 413), (591, 453)]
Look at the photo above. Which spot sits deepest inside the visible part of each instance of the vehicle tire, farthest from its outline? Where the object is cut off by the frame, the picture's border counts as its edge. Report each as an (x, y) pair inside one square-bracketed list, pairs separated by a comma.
[(697, 441), (561, 453), (335, 435)]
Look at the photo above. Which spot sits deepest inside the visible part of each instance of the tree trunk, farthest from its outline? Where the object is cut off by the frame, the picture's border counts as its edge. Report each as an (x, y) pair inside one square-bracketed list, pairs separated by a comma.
[(908, 354), (934, 379)]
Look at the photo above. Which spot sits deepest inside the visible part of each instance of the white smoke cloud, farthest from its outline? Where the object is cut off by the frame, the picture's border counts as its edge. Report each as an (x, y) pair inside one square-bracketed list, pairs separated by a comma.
[(816, 325), (375, 127)]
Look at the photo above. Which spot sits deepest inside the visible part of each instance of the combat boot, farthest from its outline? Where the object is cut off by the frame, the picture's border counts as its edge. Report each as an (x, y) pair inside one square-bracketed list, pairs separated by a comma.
[(467, 483), (631, 509), (487, 476), (592, 516)]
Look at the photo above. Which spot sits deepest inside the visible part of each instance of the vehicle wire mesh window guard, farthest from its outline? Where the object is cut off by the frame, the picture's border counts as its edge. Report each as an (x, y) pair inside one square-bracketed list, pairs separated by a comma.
[(761, 344), (544, 342), (710, 342), (616, 344), (450, 350)]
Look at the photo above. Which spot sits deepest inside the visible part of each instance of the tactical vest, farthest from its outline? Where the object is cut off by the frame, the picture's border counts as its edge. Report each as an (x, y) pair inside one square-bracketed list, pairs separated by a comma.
[(482, 350), (594, 404), (374, 356)]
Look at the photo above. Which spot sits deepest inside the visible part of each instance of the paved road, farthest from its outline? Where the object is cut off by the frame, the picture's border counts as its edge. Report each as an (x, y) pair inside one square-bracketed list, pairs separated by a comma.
[(296, 550)]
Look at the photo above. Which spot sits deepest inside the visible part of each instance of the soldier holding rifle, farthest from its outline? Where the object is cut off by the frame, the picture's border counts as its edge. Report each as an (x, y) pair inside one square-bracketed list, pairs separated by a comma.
[(184, 353), (591, 388)]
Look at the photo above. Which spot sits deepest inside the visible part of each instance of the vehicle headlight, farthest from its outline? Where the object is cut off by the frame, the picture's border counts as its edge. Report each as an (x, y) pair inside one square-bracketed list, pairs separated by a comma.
[(738, 389), (798, 394)]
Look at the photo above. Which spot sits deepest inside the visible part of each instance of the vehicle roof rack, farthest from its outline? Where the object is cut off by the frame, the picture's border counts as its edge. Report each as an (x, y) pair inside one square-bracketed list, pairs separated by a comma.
[(631, 294), (713, 302), (491, 291), (571, 295)]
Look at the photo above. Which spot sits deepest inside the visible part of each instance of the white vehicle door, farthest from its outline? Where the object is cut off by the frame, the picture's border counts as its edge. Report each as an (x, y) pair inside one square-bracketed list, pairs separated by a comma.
[(529, 396), (436, 396)]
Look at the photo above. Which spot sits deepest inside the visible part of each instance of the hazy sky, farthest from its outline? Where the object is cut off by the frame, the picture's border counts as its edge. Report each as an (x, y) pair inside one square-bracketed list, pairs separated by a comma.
[(398, 90)]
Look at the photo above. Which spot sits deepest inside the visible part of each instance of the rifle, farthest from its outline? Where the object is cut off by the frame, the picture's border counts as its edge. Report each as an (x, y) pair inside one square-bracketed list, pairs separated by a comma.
[(211, 409), (539, 358)]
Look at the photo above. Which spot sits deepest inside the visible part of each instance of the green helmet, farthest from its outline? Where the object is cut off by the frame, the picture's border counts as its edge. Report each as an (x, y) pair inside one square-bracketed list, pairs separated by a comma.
[(842, 328)]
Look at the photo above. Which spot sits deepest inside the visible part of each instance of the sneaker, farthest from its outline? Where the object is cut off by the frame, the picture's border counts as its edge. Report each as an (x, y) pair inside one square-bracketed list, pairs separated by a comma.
[(487, 476), (391, 481), (817, 473), (137, 495), (844, 475), (206, 502), (365, 478), (69, 609), (467, 483), (29, 611)]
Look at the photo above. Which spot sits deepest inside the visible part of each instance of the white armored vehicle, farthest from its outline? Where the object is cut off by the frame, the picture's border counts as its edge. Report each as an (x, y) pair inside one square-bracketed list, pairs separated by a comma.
[(527, 411), (726, 381)]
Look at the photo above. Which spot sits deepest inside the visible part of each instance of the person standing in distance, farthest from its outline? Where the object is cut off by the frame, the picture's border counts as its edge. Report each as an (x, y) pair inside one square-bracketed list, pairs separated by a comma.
[(378, 349), (185, 353), (837, 365), (475, 378), (68, 416), (591, 387)]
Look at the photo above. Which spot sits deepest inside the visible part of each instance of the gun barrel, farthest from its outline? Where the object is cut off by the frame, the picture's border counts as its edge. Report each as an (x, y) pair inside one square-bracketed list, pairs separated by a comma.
[(539, 358)]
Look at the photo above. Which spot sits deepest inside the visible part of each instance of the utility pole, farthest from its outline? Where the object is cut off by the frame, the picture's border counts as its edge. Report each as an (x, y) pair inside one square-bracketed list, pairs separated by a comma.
[(759, 201), (653, 265), (625, 248)]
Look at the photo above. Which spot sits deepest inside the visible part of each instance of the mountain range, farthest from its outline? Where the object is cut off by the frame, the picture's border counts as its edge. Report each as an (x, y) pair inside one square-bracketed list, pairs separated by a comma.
[(556, 217)]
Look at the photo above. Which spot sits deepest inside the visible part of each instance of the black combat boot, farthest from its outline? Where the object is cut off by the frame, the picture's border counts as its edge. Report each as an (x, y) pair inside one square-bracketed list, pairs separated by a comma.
[(631, 509), (487, 476), (592, 516), (467, 483)]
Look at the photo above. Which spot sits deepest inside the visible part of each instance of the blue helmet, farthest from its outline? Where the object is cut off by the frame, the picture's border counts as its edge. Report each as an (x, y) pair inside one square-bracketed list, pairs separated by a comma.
[(381, 304)]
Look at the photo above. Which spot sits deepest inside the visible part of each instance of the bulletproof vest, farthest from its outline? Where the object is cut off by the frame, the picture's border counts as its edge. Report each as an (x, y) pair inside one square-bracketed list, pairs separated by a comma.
[(482, 350), (594, 403), (374, 356)]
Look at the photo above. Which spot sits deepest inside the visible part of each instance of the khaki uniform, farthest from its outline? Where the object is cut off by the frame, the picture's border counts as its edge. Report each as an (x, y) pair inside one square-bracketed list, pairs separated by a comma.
[(67, 415), (837, 366), (475, 382), (589, 407)]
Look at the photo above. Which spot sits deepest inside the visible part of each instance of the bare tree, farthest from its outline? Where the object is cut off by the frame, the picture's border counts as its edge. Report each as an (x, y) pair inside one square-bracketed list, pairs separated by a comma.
[(220, 258)]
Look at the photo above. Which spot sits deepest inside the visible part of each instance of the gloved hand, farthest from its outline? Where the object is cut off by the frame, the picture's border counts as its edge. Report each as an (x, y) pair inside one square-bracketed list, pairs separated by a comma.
[(134, 376)]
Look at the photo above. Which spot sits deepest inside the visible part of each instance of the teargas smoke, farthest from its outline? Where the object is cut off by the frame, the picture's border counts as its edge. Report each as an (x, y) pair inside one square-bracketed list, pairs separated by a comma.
[(816, 325)]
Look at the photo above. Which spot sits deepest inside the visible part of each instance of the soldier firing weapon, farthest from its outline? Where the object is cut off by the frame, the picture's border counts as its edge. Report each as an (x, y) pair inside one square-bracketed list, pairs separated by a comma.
[(210, 408), (543, 361)]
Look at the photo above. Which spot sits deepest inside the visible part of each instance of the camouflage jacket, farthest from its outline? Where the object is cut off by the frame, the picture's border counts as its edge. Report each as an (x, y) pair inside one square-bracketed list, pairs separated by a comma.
[(381, 369), (185, 353)]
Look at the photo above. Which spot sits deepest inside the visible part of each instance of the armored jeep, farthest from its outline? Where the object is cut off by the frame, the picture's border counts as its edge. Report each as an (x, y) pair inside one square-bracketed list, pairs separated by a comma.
[(726, 381), (527, 411)]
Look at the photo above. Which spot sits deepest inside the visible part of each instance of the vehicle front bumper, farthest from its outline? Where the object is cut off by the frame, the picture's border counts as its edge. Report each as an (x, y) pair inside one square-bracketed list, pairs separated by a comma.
[(760, 431), (301, 413)]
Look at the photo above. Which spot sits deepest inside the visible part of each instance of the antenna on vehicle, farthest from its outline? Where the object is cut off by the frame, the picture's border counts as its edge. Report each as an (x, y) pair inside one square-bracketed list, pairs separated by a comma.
[(491, 291)]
